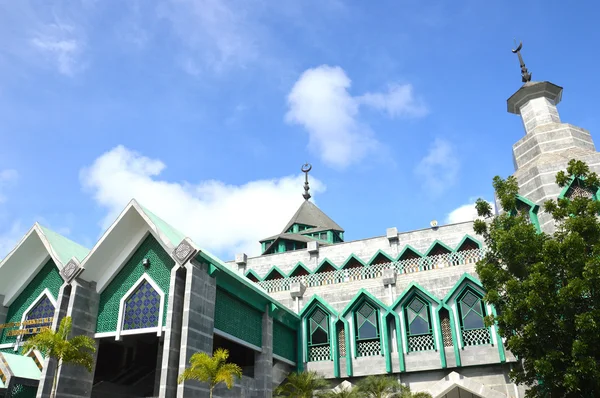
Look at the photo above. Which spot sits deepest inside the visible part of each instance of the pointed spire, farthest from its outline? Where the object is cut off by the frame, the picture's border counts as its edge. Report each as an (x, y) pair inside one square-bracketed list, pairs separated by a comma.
[(305, 169), (525, 75)]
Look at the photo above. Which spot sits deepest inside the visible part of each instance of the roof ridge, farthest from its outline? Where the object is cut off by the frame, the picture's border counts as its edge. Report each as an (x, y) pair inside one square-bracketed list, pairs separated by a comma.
[(65, 248)]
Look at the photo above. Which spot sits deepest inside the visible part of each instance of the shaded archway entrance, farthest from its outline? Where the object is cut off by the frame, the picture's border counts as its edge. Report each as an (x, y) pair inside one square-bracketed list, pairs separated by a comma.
[(128, 367), (458, 392)]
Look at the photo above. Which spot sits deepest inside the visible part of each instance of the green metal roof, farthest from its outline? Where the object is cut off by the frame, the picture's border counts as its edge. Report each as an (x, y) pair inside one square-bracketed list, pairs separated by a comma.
[(174, 236), (64, 248), (22, 366)]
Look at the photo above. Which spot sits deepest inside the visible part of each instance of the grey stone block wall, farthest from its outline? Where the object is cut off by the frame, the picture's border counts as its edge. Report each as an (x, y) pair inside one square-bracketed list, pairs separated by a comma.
[(197, 323), (263, 363), (172, 340), (75, 381), (46, 378), (280, 372), (364, 249), (422, 360), (243, 388)]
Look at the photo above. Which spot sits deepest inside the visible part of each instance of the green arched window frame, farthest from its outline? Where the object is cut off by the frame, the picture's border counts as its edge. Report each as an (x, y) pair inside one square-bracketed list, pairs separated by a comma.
[(367, 330), (576, 185), (471, 313), (419, 324), (528, 209), (318, 335)]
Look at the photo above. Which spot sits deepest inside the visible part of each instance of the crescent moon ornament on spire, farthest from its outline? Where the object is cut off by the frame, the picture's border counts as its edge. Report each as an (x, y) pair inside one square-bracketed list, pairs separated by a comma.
[(306, 167), (525, 75)]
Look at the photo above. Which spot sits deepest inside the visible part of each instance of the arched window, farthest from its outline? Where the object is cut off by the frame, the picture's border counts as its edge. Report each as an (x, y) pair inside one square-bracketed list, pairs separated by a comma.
[(42, 311), (142, 308), (367, 331), (419, 325), (471, 310), (319, 347)]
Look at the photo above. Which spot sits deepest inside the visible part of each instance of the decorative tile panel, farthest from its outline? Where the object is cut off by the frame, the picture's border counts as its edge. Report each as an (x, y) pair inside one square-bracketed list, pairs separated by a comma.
[(285, 341), (368, 348), (237, 318), (159, 270), (319, 353), (421, 343), (142, 308), (476, 336), (446, 331), (47, 278)]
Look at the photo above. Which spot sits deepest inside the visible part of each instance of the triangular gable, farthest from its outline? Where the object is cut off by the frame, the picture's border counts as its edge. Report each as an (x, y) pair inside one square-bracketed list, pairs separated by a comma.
[(352, 262), (438, 248), (443, 387), (325, 266), (465, 279), (409, 253), (468, 243), (274, 273), (317, 300), (363, 295), (380, 257), (414, 288), (253, 276), (576, 181), (121, 240), (31, 253), (299, 270)]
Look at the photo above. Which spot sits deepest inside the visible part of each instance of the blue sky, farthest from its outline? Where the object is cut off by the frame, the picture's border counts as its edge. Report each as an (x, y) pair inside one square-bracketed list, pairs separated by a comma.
[(204, 110)]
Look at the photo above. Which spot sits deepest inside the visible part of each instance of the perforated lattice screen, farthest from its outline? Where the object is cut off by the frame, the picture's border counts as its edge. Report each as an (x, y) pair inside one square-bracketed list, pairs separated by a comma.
[(238, 318), (285, 341), (342, 341), (142, 308), (159, 270), (577, 191), (446, 331), (47, 278), (21, 391)]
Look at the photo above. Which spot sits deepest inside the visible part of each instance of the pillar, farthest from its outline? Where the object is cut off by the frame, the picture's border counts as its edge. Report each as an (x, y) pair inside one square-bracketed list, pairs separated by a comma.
[(197, 322), (172, 344), (263, 362), (62, 305), (76, 381)]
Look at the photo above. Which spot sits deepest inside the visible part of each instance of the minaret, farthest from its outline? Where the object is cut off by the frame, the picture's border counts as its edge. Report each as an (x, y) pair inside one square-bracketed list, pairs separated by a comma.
[(548, 144)]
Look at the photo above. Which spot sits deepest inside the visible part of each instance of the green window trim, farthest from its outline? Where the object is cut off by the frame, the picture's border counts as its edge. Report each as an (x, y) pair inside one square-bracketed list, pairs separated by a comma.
[(418, 317), (318, 332), (471, 313), (367, 330)]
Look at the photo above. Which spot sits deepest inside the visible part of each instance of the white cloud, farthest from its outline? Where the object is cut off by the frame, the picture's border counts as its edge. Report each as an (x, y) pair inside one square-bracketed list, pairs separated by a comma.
[(220, 217), (439, 168), (321, 103), (466, 212), (218, 33), (10, 237), (62, 46)]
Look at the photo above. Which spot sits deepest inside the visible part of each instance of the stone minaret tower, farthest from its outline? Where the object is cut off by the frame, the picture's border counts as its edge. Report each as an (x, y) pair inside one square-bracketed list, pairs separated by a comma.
[(548, 144)]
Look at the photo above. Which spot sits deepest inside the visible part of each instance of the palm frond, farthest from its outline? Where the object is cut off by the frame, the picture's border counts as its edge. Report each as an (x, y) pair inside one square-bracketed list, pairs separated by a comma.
[(211, 369)]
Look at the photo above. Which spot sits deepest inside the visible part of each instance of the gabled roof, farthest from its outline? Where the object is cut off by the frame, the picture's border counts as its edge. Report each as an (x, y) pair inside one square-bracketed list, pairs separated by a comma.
[(121, 239), (310, 214), (32, 252)]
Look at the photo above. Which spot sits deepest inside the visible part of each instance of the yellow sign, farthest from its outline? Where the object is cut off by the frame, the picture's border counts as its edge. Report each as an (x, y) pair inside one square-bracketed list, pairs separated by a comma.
[(26, 331), (39, 321)]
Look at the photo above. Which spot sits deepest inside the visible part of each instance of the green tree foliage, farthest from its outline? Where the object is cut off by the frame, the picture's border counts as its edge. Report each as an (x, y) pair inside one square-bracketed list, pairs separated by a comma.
[(385, 387), (546, 288), (77, 350), (301, 385), (212, 370), (341, 393)]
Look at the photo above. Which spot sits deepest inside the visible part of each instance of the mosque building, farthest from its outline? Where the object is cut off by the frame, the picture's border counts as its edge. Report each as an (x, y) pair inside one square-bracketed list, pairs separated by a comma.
[(404, 304)]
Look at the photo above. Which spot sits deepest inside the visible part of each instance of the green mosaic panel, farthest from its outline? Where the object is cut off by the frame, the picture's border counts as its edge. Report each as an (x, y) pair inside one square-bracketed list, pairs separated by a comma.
[(285, 341), (238, 318), (21, 391), (47, 278), (160, 271), (8, 350)]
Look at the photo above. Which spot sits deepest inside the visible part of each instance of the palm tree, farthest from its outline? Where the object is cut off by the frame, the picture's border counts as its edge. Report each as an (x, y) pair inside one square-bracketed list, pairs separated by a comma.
[(212, 370), (301, 385), (341, 393), (386, 387), (78, 350)]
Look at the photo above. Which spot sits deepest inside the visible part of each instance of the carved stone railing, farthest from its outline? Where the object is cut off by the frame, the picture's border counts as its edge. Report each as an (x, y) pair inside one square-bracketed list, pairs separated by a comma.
[(375, 271)]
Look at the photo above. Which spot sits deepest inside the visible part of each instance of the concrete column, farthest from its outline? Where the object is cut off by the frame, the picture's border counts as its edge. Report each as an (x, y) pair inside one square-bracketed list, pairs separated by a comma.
[(158, 368), (172, 343), (537, 112), (263, 362), (3, 310), (197, 323), (76, 381), (46, 378)]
